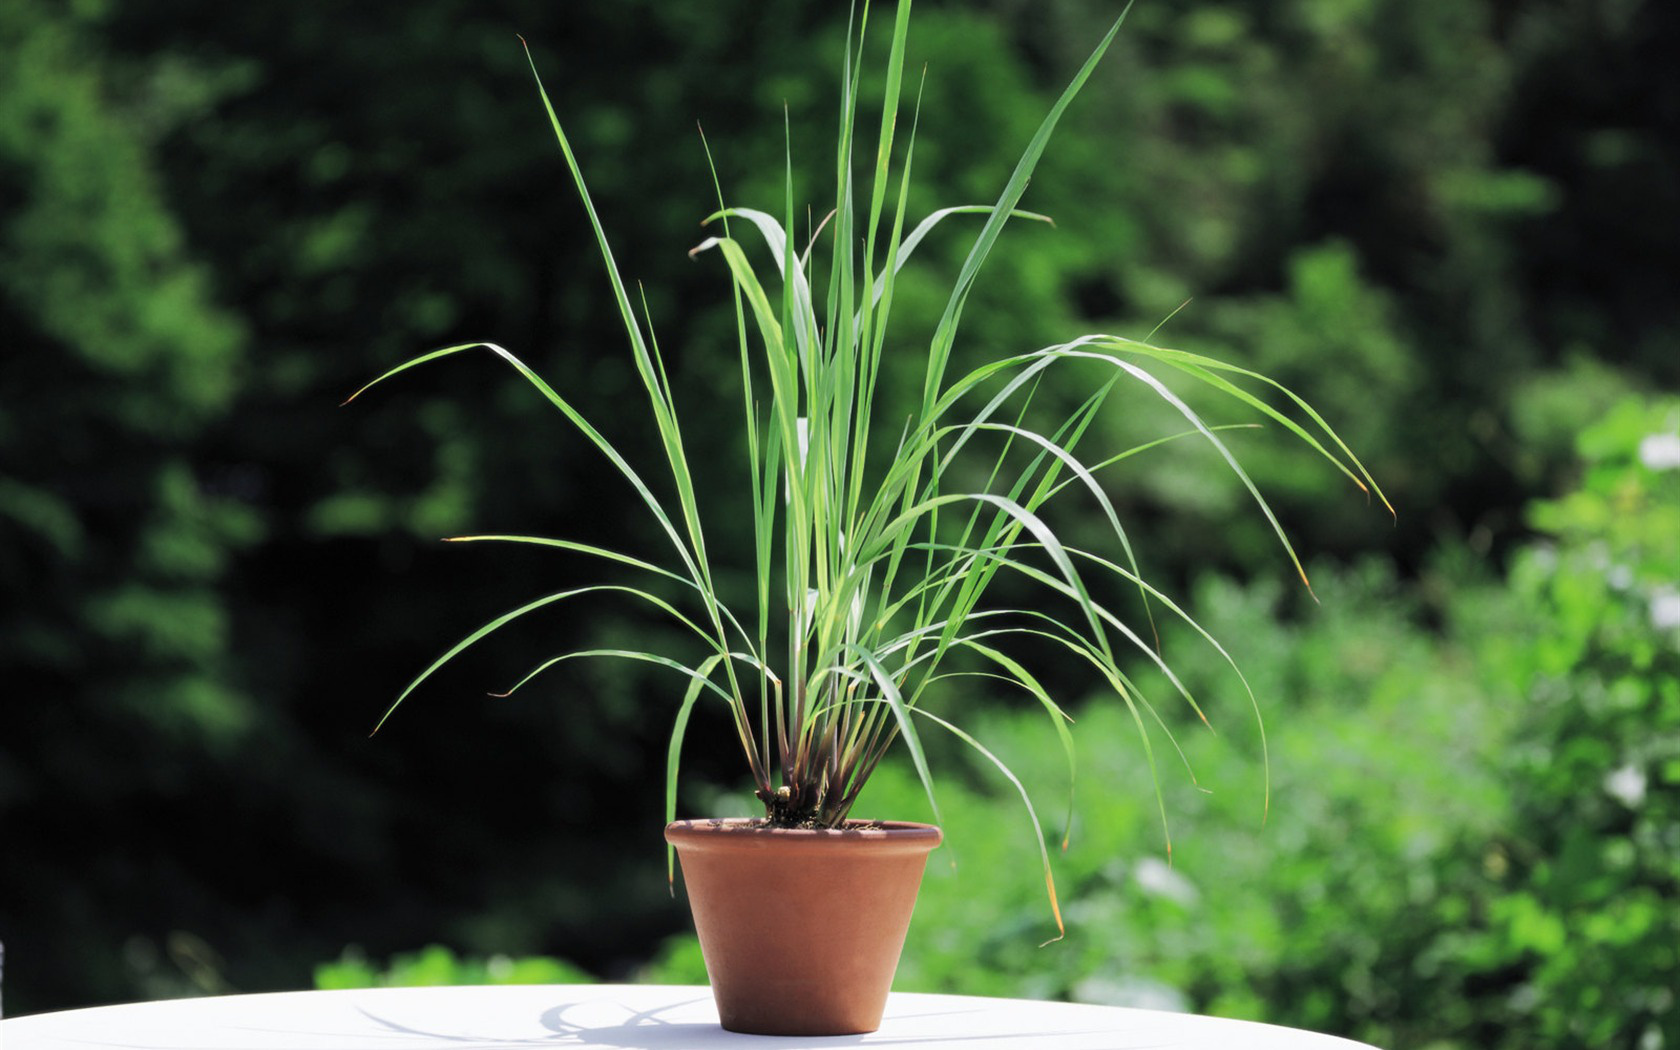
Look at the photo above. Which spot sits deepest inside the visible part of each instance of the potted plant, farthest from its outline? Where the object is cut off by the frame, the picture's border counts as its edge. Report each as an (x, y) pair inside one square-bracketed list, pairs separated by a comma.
[(872, 560)]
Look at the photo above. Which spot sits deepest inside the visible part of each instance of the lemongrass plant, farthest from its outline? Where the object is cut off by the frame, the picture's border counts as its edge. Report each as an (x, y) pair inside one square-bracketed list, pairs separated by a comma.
[(871, 572)]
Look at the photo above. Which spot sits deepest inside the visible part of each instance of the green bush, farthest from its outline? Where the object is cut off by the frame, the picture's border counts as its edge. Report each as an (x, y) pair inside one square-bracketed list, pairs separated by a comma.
[(1578, 939)]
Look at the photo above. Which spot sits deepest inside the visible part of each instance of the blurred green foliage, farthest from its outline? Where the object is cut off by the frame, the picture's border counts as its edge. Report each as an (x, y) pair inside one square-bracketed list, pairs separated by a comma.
[(1577, 904), (1448, 224), (435, 965)]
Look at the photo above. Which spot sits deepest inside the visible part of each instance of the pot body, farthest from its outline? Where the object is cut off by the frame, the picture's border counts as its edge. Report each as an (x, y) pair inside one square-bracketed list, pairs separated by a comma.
[(801, 929)]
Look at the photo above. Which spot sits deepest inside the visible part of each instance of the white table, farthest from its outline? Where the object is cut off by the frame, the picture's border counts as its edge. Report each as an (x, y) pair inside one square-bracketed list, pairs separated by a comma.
[(612, 1017)]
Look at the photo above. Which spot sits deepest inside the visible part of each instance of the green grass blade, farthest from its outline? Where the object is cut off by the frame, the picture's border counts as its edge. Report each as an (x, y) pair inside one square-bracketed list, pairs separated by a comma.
[(1032, 814), (901, 716), (1201, 367), (413, 363), (1202, 428), (801, 316), (673, 757), (945, 334), (1020, 676), (605, 555), (460, 646), (633, 655), (577, 419), (923, 228)]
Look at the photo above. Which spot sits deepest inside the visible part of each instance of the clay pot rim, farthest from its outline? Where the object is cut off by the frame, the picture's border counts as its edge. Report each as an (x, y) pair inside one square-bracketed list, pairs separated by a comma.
[(751, 833)]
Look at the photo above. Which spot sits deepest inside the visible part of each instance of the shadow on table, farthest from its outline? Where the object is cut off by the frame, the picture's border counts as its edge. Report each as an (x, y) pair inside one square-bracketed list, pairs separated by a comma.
[(651, 1030)]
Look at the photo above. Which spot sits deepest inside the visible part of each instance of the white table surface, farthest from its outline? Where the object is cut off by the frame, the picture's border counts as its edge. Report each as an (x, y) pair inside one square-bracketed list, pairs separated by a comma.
[(619, 1017)]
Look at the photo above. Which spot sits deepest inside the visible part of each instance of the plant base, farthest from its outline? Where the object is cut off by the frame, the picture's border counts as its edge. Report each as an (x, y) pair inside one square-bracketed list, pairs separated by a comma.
[(801, 929)]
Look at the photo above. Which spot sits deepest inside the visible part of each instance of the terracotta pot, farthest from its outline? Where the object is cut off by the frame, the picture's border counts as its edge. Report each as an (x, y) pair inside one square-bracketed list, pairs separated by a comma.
[(801, 929)]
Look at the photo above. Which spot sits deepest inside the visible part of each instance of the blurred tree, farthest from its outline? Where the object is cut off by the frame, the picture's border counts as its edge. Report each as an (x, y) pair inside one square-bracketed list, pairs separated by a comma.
[(1390, 206), (114, 637)]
